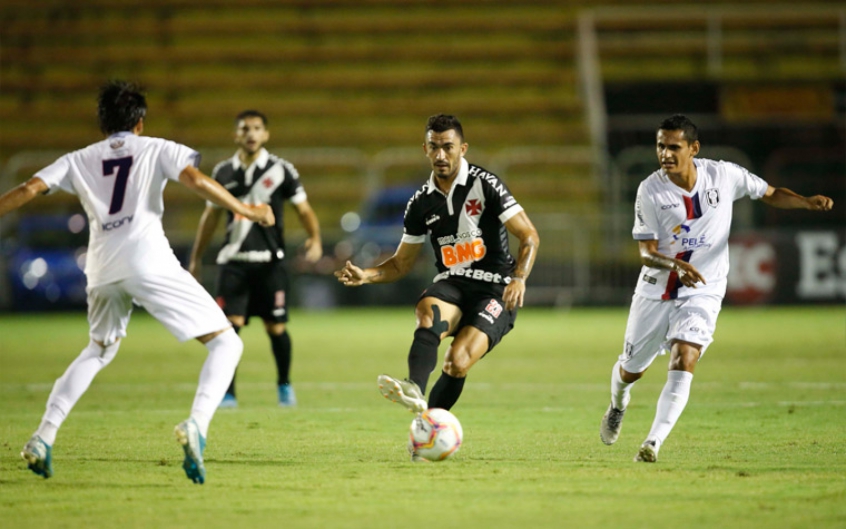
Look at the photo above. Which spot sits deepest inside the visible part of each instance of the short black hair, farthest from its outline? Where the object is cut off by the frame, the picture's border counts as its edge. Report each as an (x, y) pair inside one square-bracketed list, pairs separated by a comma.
[(443, 123), (251, 114), (120, 106), (682, 123)]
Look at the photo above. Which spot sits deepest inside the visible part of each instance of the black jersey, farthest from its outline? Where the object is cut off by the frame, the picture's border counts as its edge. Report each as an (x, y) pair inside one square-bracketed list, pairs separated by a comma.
[(466, 227), (269, 180)]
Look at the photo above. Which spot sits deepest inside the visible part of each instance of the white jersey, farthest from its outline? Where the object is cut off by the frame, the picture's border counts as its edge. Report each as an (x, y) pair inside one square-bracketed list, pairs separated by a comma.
[(120, 182), (691, 226)]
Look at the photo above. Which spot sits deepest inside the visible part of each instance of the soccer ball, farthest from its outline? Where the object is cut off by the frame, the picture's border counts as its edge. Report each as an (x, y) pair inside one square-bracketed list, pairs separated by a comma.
[(435, 434)]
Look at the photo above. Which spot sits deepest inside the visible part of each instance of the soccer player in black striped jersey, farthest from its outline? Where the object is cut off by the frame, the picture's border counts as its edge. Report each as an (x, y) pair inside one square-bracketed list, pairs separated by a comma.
[(252, 279), (466, 213)]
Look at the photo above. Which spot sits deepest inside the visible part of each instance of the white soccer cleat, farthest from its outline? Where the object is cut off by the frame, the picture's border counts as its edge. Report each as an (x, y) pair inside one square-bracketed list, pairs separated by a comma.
[(612, 422), (415, 457), (403, 392), (648, 452)]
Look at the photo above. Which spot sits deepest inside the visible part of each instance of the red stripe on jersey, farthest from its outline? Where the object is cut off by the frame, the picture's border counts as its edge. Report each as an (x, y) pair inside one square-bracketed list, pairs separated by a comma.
[(673, 282)]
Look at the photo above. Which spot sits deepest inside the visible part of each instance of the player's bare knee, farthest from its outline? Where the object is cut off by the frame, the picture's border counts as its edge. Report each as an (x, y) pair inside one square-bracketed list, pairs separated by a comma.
[(629, 377), (684, 357), (423, 313), (457, 362), (274, 328)]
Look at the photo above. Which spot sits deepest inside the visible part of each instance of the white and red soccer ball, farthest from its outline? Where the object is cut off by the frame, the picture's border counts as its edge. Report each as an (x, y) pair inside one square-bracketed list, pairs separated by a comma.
[(435, 434)]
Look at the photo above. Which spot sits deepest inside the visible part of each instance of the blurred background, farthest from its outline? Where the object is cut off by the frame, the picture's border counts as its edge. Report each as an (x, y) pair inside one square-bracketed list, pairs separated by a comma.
[(560, 98)]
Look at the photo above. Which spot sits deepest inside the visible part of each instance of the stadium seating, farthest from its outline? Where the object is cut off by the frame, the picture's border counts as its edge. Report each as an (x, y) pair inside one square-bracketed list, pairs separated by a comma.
[(366, 74)]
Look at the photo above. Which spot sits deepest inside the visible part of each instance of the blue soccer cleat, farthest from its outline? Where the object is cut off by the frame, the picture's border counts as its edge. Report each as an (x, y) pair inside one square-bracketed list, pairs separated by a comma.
[(39, 456), (193, 443), (229, 401), (287, 398)]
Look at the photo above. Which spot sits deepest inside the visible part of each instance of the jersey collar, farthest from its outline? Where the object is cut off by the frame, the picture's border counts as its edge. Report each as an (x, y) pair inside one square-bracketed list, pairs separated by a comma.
[(261, 161), (460, 179)]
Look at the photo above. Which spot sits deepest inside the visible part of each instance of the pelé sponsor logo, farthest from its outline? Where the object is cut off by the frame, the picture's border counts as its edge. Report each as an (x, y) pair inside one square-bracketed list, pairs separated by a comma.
[(463, 252)]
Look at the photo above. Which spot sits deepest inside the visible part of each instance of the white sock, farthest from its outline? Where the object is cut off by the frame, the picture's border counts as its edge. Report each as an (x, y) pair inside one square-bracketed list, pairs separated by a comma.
[(620, 390), (71, 385), (671, 404), (224, 354)]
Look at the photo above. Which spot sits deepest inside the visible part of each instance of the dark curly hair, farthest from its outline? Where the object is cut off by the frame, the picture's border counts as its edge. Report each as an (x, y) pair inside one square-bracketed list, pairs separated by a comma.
[(120, 105)]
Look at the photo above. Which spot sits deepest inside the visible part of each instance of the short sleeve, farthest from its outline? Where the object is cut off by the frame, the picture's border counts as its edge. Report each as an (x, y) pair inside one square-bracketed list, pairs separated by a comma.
[(58, 175), (175, 157), (413, 225), (292, 189), (499, 198), (645, 222), (745, 182)]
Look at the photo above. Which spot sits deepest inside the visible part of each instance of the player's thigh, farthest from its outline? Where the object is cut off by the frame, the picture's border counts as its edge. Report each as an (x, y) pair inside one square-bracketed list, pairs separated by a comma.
[(232, 289), (468, 347), (179, 302), (694, 320), (487, 314), (109, 309), (268, 293), (439, 308), (646, 333)]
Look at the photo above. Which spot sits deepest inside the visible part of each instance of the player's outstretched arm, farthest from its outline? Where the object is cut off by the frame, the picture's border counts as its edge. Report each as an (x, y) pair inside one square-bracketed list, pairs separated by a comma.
[(783, 198), (649, 256), (394, 268), (205, 231), (215, 193), (313, 245), (521, 227), (20, 195)]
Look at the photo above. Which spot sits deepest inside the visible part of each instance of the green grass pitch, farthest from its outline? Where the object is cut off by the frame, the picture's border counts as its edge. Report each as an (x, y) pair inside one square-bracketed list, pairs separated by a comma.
[(762, 442)]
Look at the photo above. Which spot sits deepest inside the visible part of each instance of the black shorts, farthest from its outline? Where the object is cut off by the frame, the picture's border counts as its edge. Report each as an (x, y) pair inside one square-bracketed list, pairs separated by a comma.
[(253, 289), (480, 303)]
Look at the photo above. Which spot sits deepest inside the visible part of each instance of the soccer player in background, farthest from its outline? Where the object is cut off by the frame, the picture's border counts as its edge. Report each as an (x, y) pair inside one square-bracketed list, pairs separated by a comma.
[(252, 278), (682, 218), (466, 213), (120, 181)]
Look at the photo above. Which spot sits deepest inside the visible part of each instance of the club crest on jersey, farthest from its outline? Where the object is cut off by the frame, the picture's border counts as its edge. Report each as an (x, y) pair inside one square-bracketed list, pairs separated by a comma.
[(463, 252), (116, 144), (712, 196), (473, 207), (267, 182)]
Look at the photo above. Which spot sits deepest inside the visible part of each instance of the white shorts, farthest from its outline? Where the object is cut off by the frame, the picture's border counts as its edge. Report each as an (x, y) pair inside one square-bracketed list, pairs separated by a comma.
[(177, 300), (654, 324)]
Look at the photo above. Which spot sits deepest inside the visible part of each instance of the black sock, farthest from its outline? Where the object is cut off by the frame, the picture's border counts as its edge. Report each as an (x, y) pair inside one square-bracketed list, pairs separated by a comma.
[(281, 345), (231, 390), (423, 357), (446, 391)]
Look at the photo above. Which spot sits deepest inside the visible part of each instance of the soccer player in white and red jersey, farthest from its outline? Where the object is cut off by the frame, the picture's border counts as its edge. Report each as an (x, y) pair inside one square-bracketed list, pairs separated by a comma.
[(682, 219), (120, 181)]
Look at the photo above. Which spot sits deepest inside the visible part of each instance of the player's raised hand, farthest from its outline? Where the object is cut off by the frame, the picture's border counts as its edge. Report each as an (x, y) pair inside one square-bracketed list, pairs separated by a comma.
[(820, 203), (350, 275)]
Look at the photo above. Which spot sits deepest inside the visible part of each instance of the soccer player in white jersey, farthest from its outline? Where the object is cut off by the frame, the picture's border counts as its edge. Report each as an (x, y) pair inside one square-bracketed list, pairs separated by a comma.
[(120, 181), (682, 219)]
